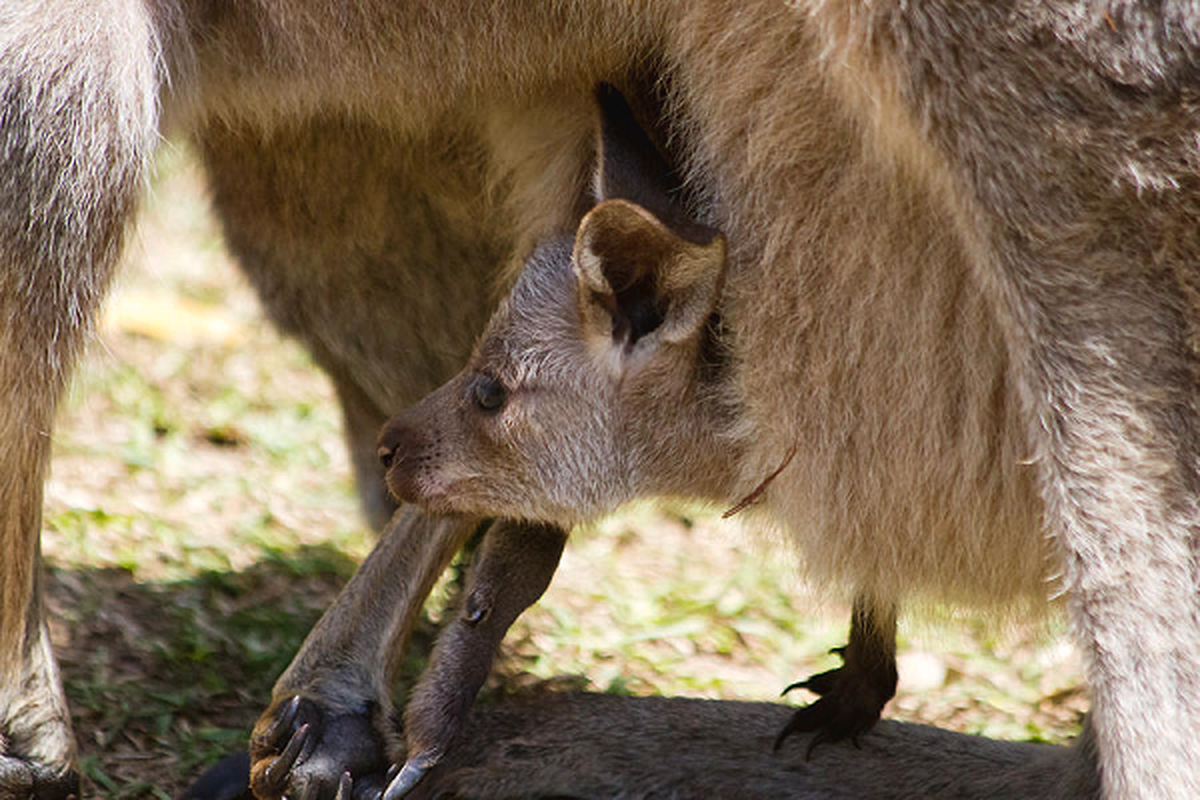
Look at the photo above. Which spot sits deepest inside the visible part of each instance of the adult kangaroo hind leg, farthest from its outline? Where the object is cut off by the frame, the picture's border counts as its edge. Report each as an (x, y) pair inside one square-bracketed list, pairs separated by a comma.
[(377, 251), (77, 122)]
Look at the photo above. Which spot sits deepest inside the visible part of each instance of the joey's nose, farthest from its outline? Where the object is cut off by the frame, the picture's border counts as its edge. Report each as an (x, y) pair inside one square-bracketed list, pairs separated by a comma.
[(391, 442), (386, 455), (401, 450)]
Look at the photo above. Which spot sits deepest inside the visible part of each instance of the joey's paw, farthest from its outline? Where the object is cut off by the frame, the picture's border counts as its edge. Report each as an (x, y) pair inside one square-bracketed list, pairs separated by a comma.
[(849, 704), (306, 752), (22, 778)]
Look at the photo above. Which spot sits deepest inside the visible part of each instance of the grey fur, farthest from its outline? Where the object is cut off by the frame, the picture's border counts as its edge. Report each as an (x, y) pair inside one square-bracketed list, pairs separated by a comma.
[(1024, 172)]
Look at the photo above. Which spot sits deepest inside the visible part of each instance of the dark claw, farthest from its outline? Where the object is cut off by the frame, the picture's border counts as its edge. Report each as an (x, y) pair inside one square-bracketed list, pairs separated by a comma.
[(404, 782), (820, 718), (290, 710), (294, 746), (276, 774), (271, 737), (345, 788), (820, 684)]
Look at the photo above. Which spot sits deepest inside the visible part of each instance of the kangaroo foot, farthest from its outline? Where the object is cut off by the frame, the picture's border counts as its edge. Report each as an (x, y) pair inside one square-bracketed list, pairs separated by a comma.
[(849, 705), (21, 777), (303, 750), (37, 752)]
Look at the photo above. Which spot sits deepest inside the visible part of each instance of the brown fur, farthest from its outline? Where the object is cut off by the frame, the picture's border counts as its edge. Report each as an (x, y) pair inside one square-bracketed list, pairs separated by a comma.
[(1023, 174), (600, 379), (512, 569)]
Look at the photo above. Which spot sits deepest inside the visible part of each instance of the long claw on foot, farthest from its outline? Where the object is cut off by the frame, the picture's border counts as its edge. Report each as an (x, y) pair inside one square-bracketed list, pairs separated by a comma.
[(410, 775), (276, 774), (784, 733), (282, 722), (344, 787)]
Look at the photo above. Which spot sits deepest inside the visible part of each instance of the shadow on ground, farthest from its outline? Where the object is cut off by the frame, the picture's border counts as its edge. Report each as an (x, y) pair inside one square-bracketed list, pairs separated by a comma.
[(165, 678)]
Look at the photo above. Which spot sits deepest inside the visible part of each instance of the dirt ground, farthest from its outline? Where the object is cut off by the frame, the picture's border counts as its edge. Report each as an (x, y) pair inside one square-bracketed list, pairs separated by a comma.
[(200, 516)]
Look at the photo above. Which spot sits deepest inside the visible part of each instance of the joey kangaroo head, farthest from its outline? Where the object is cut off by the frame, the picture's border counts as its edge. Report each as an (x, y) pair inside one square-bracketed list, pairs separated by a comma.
[(594, 382)]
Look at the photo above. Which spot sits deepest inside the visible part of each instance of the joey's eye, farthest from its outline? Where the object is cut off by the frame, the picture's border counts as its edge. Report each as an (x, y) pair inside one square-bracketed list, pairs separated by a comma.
[(489, 393)]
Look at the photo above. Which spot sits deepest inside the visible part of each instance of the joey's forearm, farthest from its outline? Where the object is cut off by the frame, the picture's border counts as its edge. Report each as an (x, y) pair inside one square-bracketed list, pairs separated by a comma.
[(362, 635)]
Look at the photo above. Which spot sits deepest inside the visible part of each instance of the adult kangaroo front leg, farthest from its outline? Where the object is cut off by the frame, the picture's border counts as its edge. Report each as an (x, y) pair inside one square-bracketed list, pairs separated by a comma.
[(329, 710), (77, 123)]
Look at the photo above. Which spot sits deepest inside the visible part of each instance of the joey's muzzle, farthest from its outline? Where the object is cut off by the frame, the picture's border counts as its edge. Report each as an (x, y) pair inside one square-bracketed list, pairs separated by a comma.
[(400, 447)]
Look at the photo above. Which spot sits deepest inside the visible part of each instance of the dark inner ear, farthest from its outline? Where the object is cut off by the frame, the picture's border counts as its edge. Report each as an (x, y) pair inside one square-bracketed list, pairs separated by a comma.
[(636, 305), (638, 311)]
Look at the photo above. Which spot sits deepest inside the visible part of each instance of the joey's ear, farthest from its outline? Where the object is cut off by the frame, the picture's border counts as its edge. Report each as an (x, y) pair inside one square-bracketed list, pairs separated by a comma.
[(640, 283), (647, 271), (629, 167)]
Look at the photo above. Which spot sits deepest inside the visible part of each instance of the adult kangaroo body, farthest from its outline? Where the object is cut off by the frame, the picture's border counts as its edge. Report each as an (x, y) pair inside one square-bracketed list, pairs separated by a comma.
[(376, 165)]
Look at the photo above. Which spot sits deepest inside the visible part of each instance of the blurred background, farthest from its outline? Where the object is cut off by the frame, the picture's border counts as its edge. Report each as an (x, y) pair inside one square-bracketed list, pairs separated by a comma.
[(200, 516)]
